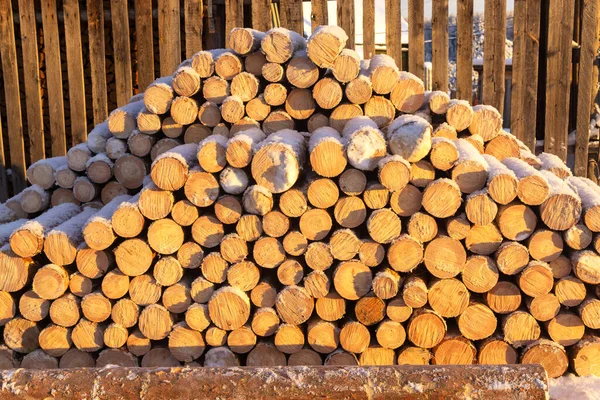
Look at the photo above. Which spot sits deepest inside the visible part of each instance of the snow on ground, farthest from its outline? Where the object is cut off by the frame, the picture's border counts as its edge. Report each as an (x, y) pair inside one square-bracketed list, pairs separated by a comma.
[(571, 387)]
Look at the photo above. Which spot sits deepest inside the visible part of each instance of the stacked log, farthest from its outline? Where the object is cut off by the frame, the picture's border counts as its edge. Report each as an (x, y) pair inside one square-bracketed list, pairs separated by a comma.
[(300, 225)]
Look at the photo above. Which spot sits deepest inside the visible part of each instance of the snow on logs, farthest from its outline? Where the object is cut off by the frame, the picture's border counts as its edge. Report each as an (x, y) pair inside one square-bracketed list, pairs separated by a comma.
[(356, 242)]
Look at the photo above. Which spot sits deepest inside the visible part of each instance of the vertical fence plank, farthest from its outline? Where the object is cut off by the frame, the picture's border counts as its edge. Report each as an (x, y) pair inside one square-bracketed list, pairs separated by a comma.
[(345, 19), (439, 45), (589, 49), (261, 15), (144, 43), (234, 16), (31, 80), (368, 28), (416, 38), (75, 71), (560, 30), (494, 54), (393, 30), (122, 53), (319, 14), (290, 12), (168, 33), (517, 115), (193, 27), (3, 177), (10, 74), (54, 78), (464, 50), (95, 13)]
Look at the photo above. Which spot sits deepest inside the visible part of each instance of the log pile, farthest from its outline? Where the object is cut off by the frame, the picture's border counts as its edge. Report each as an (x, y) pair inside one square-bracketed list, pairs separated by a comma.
[(283, 203)]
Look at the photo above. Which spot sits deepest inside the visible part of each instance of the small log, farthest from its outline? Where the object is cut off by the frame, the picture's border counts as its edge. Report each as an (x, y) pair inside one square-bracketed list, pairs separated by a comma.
[(578, 237), (384, 73), (545, 245), (561, 199), (520, 329), (317, 284), (480, 209), (123, 120), (155, 203), (195, 133), (265, 355), (159, 95), (422, 227), (167, 271), (566, 328), (78, 156), (214, 267), (272, 72), (96, 143), (265, 322), (354, 337), (80, 285), (186, 81), (422, 173), (133, 257), (293, 203), (570, 291), (322, 336), (480, 274), (327, 92), (516, 221), (352, 182), (88, 336), (243, 275), (289, 339), (170, 170), (376, 196), (443, 153), (397, 310), (380, 110), (61, 243), (125, 313), (471, 170), (249, 227), (340, 357), (352, 271), (163, 145), (97, 230), (322, 193), (115, 285), (454, 350), (504, 298), (290, 272), (512, 258), (503, 146), (384, 226), (208, 231), (414, 291), (215, 90), (229, 308), (280, 44), (31, 306), (437, 101), (315, 224), (304, 357), (197, 317), (65, 311), (426, 328), (483, 239), (268, 252), (459, 114), (589, 311), (245, 40), (331, 307), (39, 359), (201, 290), (448, 297), (533, 187), (75, 358), (407, 201), (477, 322), (301, 72), (277, 120), (257, 108), (442, 198), (325, 45), (582, 355), (544, 307), (360, 89), (34, 199), (549, 355), (495, 350), (184, 111), (536, 279), (138, 344), (412, 355), (299, 103), (228, 209), (346, 65), (155, 322), (203, 62), (228, 65), (294, 305), (458, 227), (130, 171), (147, 122), (318, 256)]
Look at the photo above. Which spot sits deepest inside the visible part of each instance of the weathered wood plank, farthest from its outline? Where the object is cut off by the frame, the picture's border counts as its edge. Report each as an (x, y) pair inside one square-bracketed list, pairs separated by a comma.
[(558, 59), (416, 38), (54, 78), (144, 43), (10, 75), (589, 49), (169, 38), (290, 12), (31, 80), (494, 54), (464, 50), (345, 19), (3, 177), (261, 15), (439, 45), (122, 52), (393, 30), (95, 14), (193, 27), (532, 50), (368, 28), (234, 16), (75, 71), (517, 115), (319, 14)]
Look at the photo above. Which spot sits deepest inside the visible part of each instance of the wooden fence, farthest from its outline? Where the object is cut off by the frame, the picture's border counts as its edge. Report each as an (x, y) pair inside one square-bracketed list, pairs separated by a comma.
[(67, 63)]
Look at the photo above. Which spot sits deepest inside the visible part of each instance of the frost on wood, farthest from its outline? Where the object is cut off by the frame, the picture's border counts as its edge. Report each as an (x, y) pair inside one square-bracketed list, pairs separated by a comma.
[(104, 215), (7, 229), (41, 225), (496, 168), (72, 228), (520, 168), (51, 164), (365, 144), (357, 123), (251, 136), (100, 157), (586, 191), (557, 185), (185, 154), (467, 152), (323, 134), (233, 180), (551, 162), (410, 137), (96, 141)]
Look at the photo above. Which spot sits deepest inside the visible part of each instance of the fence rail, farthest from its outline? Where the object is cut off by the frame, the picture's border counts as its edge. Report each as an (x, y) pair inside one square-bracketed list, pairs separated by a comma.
[(67, 63)]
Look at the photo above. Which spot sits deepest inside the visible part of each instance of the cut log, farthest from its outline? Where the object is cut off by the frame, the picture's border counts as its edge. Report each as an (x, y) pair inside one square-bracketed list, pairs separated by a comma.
[(346, 65), (407, 201), (454, 349), (422, 173), (443, 153), (42, 172), (290, 272), (239, 147), (34, 199), (294, 243), (280, 44), (325, 45), (147, 122), (155, 203), (96, 307), (354, 337), (125, 313), (536, 279), (61, 243), (276, 164), (115, 285), (322, 336), (503, 146), (318, 256), (299, 104), (516, 221), (426, 329), (352, 271), (533, 188), (331, 307), (245, 40), (480, 208), (232, 180), (369, 309), (78, 156), (257, 108), (411, 355), (520, 329), (276, 121), (195, 133), (549, 355), (384, 226), (289, 339), (380, 110), (562, 209), (229, 308), (315, 224), (123, 120), (159, 95), (294, 305), (317, 284), (201, 290), (458, 227), (228, 209), (376, 196), (422, 227), (448, 297), (228, 65), (471, 170), (272, 72), (590, 199), (80, 285), (545, 245), (159, 357), (249, 227), (483, 239), (88, 336), (133, 257), (184, 111), (487, 122), (322, 193), (441, 198), (544, 307), (384, 73), (445, 130), (459, 114), (477, 322), (301, 72), (186, 81), (445, 257), (327, 92), (170, 170), (578, 237), (75, 358), (496, 351), (31, 306), (570, 291), (480, 274), (155, 322), (215, 90), (138, 344), (203, 62), (504, 298), (97, 230)]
